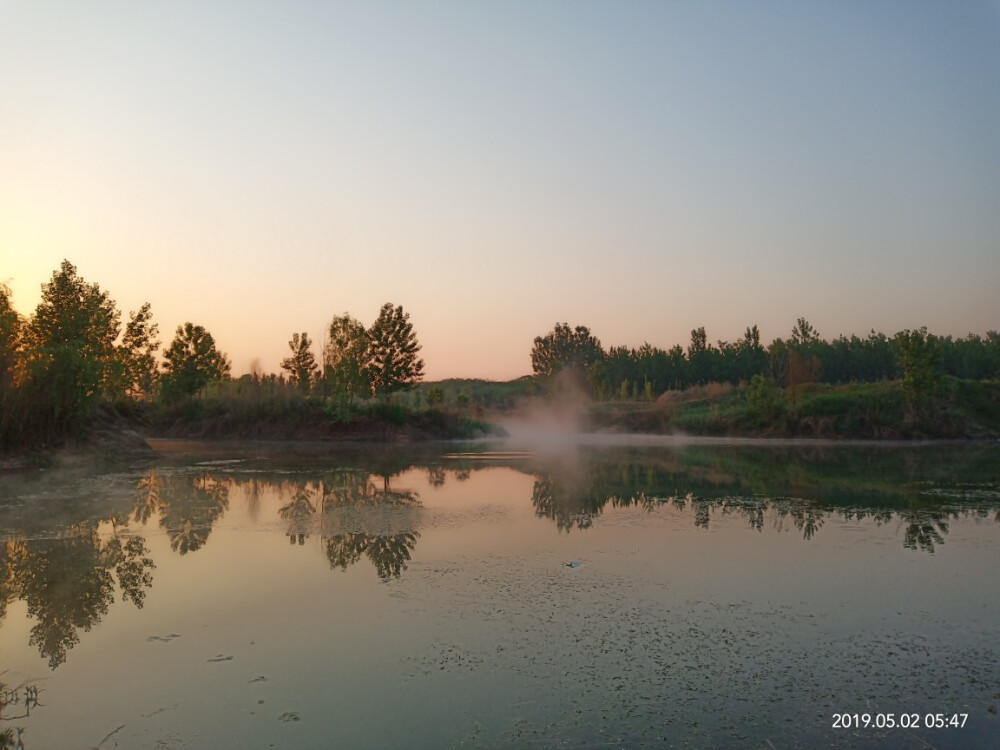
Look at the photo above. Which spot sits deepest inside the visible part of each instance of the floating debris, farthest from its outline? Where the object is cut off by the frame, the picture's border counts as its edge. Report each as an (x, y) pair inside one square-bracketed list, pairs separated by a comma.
[(162, 638), (574, 564)]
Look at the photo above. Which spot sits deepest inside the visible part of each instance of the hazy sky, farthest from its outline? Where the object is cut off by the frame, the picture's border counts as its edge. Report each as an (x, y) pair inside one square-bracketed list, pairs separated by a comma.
[(641, 168)]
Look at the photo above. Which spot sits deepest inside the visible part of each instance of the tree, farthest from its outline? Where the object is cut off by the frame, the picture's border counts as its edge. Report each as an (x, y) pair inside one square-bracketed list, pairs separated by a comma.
[(345, 358), (137, 355), (11, 326), (751, 357), (920, 360), (71, 347), (301, 366), (192, 362), (564, 347), (803, 334), (11, 334), (777, 362), (764, 396), (802, 369), (702, 358), (435, 395), (393, 363)]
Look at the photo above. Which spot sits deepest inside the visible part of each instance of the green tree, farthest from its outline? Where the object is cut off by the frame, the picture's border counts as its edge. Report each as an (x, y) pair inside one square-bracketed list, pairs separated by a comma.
[(191, 363), (565, 347), (345, 358), (750, 355), (803, 334), (777, 362), (12, 423), (137, 355), (71, 348), (301, 366), (393, 363), (703, 358), (765, 397), (919, 357), (11, 327)]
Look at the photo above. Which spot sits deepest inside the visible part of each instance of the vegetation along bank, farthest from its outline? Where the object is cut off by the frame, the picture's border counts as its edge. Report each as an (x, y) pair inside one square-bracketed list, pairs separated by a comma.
[(72, 372)]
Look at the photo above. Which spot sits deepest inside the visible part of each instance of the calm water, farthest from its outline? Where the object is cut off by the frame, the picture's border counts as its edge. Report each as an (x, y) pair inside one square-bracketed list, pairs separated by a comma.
[(721, 595)]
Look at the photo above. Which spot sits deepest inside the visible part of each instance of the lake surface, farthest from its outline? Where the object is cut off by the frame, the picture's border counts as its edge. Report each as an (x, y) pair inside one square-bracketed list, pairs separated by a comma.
[(636, 594)]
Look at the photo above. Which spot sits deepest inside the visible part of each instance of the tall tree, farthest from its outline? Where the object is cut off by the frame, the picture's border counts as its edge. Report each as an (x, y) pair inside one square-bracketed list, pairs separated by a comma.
[(565, 347), (191, 363), (920, 362), (12, 422), (345, 358), (301, 366), (803, 334), (702, 358), (71, 346), (393, 363), (10, 340), (751, 355), (137, 354)]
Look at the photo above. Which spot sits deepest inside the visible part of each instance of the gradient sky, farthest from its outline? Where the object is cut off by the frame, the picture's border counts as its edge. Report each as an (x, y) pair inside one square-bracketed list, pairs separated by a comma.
[(641, 168)]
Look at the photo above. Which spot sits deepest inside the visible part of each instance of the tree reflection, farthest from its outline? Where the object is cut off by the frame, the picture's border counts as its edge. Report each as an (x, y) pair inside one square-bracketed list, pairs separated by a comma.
[(188, 506), (923, 530), (363, 520), (567, 506), (298, 512), (359, 514), (343, 550), (436, 476), (572, 496), (68, 582), (389, 553), (133, 566), (7, 590)]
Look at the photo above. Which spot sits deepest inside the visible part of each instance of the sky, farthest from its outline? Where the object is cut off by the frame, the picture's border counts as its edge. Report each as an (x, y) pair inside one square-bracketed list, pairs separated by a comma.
[(641, 168)]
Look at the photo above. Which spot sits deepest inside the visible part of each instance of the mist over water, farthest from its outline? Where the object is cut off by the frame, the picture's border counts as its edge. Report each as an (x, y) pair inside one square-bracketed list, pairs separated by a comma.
[(559, 422)]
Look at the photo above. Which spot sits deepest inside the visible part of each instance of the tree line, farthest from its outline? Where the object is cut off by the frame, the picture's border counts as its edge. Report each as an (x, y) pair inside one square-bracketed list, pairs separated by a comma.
[(73, 354), (358, 362), (916, 357)]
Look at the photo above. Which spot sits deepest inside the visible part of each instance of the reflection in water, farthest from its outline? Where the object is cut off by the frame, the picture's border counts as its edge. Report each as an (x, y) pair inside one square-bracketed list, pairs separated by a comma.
[(362, 520), (16, 703), (923, 529), (19, 702), (358, 520), (67, 576), (389, 553), (188, 506), (68, 579), (797, 489), (298, 513), (68, 582)]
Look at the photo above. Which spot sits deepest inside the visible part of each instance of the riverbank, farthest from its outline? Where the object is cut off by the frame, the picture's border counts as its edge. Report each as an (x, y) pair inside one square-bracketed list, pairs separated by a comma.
[(111, 439), (309, 419), (120, 435), (958, 409)]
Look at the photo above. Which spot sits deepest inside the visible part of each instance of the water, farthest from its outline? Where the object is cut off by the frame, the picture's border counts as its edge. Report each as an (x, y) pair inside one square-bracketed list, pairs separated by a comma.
[(727, 594)]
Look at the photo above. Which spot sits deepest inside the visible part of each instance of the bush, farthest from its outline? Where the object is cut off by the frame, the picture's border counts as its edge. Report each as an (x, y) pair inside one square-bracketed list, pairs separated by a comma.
[(766, 398)]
